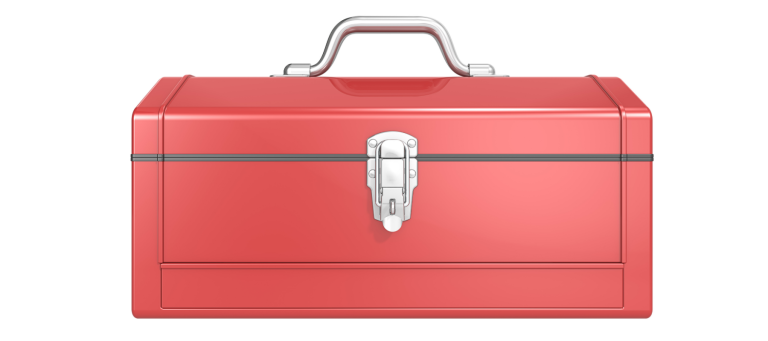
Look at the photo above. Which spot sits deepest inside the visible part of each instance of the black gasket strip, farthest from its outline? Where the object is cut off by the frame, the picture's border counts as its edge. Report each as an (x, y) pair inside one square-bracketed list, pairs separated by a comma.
[(363, 157)]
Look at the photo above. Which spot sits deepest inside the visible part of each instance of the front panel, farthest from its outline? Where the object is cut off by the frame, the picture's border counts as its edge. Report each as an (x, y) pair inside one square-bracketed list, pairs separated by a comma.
[(321, 212)]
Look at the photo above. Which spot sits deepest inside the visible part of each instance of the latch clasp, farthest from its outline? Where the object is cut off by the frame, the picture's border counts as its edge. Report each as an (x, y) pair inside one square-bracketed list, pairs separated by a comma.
[(392, 176)]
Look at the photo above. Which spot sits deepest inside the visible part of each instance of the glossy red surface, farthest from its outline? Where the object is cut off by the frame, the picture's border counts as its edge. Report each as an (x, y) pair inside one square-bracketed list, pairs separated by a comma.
[(298, 239), (465, 116), (405, 288), (502, 212), (145, 117)]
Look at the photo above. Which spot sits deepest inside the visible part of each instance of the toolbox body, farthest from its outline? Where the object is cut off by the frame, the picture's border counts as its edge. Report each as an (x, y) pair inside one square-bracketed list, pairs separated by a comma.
[(391, 197)]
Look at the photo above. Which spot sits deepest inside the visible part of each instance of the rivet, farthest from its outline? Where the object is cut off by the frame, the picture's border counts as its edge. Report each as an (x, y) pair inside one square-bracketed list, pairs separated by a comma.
[(412, 173), (371, 143), (411, 143), (372, 173)]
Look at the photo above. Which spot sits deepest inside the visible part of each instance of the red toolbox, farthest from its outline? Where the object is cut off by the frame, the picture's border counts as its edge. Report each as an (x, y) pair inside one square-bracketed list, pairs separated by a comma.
[(475, 196)]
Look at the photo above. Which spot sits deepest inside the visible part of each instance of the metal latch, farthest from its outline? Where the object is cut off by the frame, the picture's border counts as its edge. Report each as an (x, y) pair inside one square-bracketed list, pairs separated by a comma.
[(392, 176)]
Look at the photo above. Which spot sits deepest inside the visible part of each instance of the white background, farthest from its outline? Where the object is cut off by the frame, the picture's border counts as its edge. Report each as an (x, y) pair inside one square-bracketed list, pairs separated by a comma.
[(73, 71)]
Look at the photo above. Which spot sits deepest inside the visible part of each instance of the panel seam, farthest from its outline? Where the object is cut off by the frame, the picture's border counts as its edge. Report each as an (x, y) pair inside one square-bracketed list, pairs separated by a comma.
[(623, 170), (160, 168)]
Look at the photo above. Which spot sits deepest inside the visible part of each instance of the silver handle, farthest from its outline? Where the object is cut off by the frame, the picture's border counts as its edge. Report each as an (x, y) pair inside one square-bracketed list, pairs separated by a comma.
[(388, 25)]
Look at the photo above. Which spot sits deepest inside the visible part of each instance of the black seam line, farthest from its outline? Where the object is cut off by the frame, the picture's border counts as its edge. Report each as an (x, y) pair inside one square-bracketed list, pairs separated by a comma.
[(363, 157)]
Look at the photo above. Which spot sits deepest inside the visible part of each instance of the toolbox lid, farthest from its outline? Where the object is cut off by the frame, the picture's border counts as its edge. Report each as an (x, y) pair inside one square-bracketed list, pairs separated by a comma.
[(574, 94), (477, 115)]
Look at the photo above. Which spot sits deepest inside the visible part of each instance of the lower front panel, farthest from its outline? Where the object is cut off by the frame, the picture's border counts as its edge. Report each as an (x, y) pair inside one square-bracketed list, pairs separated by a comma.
[(247, 290), (240, 287)]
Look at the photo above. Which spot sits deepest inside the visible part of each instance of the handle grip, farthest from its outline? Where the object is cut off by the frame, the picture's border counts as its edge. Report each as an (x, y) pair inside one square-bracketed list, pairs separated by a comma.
[(388, 25)]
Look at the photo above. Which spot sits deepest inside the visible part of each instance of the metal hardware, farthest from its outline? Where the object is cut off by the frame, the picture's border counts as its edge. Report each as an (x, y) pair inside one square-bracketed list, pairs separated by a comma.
[(296, 69), (392, 223), (387, 25), (392, 170)]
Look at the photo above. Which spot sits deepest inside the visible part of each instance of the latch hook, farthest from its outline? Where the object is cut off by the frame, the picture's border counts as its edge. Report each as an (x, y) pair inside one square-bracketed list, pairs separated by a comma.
[(392, 176)]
